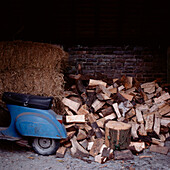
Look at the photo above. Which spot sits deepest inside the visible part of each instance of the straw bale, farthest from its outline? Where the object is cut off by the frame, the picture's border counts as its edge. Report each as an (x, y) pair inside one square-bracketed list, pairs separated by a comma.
[(26, 54), (44, 82)]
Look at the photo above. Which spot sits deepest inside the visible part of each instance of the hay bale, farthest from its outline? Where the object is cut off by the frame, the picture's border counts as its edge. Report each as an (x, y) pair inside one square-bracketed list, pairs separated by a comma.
[(43, 82), (26, 54)]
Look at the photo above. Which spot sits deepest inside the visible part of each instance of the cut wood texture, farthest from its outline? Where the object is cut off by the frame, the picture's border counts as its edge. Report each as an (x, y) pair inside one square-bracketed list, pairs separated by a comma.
[(97, 105), (116, 108), (93, 82), (123, 155), (77, 150), (75, 119), (117, 135), (139, 146), (71, 104), (159, 149), (96, 147), (61, 152)]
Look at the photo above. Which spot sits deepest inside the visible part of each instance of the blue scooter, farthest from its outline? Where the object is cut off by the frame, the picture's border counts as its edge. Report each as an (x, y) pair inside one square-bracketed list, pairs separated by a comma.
[(32, 118)]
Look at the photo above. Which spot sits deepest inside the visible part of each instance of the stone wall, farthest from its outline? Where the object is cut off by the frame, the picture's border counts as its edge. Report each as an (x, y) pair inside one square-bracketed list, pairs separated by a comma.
[(144, 63)]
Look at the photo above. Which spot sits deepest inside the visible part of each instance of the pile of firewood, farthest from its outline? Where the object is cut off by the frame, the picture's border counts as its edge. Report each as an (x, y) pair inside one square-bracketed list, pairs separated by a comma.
[(99, 115)]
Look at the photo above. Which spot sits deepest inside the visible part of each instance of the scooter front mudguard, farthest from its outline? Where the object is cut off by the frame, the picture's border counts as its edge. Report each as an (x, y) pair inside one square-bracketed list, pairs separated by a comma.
[(39, 125)]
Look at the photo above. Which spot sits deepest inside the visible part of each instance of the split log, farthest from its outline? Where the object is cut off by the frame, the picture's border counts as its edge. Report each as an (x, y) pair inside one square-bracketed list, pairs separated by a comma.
[(117, 135), (107, 152), (101, 122), (134, 129), (83, 110), (149, 87), (123, 155), (100, 159), (90, 144), (157, 123), (112, 89), (139, 146), (149, 122), (84, 143), (96, 146), (97, 82), (97, 105), (81, 135), (159, 149), (142, 130), (165, 121), (163, 97), (75, 119), (130, 113), (116, 108), (71, 104), (69, 112), (107, 111), (94, 126), (61, 152), (77, 150), (139, 116), (127, 96), (164, 110), (127, 81)]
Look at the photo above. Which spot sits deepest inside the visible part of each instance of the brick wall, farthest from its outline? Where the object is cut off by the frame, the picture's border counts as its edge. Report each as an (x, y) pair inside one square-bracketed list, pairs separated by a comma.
[(144, 63)]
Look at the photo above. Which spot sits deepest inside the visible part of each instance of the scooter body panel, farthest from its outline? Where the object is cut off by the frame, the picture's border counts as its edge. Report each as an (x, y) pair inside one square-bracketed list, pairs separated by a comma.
[(27, 121)]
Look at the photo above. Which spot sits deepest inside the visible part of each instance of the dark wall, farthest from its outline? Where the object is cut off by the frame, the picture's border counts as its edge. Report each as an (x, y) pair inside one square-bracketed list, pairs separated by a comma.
[(109, 62), (86, 22)]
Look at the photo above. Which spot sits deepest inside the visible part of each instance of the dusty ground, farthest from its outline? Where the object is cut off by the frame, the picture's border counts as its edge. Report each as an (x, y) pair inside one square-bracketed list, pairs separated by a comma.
[(14, 157)]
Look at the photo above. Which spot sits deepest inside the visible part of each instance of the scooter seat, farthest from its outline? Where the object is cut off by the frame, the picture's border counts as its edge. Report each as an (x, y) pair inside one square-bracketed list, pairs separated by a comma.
[(27, 100)]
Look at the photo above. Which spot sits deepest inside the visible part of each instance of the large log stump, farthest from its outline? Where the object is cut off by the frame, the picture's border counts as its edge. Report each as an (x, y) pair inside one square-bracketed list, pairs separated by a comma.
[(117, 135)]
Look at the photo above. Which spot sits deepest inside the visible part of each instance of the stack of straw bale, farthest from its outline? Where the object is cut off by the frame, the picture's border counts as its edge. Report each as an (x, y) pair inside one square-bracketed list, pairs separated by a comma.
[(32, 68)]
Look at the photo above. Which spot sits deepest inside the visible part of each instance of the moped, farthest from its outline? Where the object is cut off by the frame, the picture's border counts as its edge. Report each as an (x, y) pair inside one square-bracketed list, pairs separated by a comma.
[(32, 118)]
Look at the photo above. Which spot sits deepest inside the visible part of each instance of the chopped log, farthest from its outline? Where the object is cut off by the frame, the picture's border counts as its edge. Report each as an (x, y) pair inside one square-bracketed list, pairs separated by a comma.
[(159, 149), (107, 152), (97, 105), (76, 99), (93, 82), (77, 150), (154, 108), (139, 146), (131, 90), (71, 104), (130, 114), (157, 142), (91, 97), (139, 116), (96, 146), (70, 134), (75, 119), (112, 89), (117, 135), (120, 88), (142, 130), (149, 122), (107, 111), (94, 126), (165, 121), (61, 152), (69, 112), (83, 110), (104, 90), (84, 143), (100, 159), (101, 122), (127, 81), (134, 129), (80, 125), (163, 97), (116, 108), (157, 123), (127, 96), (102, 97), (81, 135), (90, 144), (164, 110), (123, 155), (87, 127), (123, 108), (69, 93)]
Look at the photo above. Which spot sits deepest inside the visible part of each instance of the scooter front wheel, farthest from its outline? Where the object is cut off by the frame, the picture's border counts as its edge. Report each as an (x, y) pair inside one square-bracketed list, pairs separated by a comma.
[(45, 146)]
